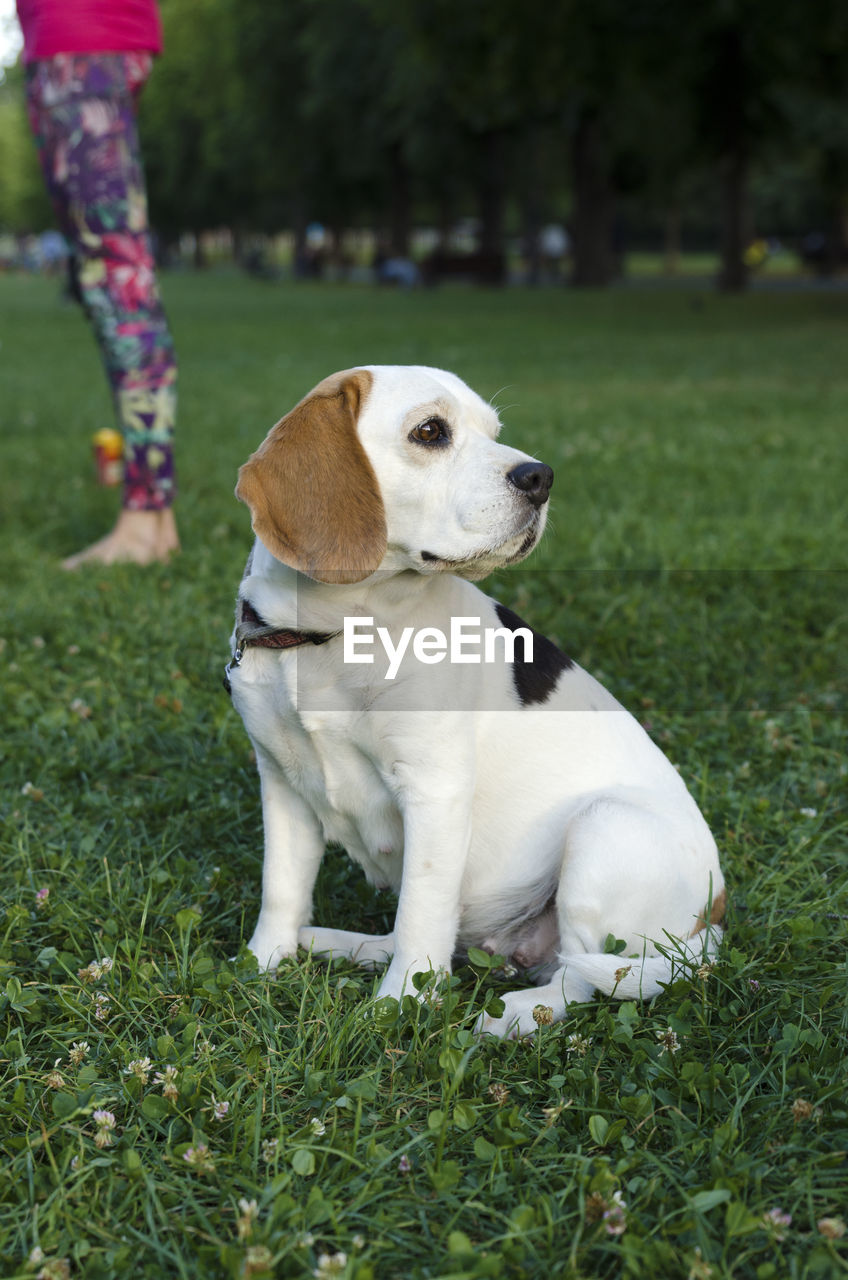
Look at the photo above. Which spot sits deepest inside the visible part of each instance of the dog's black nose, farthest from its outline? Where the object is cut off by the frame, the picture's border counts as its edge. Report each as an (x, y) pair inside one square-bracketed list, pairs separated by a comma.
[(534, 480)]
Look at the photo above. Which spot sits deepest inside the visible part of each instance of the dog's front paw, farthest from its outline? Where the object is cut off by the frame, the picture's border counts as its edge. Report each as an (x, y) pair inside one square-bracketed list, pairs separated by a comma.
[(271, 949), (395, 983), (398, 982)]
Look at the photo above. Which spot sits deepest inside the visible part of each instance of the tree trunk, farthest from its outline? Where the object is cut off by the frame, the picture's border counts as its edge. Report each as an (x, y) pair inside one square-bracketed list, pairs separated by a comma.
[(399, 224), (593, 253), (531, 209), (835, 185), (731, 84), (735, 220), (671, 255), (238, 245), (199, 254), (491, 193), (300, 251)]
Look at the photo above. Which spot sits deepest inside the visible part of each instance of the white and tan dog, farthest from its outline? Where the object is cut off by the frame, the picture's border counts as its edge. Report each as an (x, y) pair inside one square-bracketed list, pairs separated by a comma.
[(513, 804)]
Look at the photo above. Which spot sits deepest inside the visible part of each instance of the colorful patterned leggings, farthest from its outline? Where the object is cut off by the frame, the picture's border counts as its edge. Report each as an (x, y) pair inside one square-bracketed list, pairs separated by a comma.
[(82, 109)]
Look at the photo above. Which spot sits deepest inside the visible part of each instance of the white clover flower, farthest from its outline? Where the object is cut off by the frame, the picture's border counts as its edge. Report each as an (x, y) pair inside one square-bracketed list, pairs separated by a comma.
[(78, 1051), (95, 970), (55, 1079), (258, 1260), (248, 1213), (168, 1080), (200, 1158), (832, 1228), (552, 1114), (105, 1121), (615, 1220), (700, 1270), (140, 1068), (330, 1264), (55, 1269), (668, 1040), (776, 1220)]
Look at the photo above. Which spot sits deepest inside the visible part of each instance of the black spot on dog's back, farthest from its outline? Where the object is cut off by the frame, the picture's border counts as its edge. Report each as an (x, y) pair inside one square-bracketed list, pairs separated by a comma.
[(534, 680)]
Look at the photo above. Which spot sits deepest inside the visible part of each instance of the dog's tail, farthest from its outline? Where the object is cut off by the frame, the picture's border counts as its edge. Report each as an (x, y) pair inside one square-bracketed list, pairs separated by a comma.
[(642, 978)]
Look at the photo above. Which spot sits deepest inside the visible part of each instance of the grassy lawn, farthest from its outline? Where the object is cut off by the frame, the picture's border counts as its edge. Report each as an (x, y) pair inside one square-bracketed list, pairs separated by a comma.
[(282, 1126)]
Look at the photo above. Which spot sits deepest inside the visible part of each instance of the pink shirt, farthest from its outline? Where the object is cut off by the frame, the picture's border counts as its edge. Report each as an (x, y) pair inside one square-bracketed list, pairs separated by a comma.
[(89, 26)]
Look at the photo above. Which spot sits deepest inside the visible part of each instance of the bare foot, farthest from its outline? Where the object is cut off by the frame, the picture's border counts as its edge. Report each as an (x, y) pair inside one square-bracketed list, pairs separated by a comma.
[(139, 537)]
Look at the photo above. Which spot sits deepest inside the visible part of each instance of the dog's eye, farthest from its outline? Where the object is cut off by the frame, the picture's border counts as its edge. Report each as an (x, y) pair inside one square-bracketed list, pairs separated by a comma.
[(433, 431)]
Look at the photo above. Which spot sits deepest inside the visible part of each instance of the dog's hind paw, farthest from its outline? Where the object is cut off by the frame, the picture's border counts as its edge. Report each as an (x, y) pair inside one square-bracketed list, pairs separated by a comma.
[(486, 1025), (523, 1013)]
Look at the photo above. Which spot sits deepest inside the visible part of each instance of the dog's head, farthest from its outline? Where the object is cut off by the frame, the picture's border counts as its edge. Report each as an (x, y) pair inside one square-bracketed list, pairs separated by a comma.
[(393, 467)]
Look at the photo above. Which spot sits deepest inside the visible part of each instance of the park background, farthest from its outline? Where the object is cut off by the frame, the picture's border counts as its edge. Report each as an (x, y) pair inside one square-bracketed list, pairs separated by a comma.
[(321, 132), (695, 561)]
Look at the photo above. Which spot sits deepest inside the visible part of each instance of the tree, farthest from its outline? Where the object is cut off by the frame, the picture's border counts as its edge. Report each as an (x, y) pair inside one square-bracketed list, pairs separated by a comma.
[(24, 205), (745, 53), (189, 118), (814, 105)]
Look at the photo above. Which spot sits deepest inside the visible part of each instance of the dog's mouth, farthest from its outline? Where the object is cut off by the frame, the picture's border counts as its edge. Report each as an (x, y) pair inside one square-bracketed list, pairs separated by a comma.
[(492, 557)]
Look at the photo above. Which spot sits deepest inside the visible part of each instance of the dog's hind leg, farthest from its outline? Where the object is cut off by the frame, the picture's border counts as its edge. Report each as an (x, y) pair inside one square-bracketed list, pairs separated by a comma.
[(365, 949), (550, 1003), (628, 872)]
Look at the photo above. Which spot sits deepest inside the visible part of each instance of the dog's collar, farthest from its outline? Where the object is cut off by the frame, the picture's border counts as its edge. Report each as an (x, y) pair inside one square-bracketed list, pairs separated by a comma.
[(253, 632)]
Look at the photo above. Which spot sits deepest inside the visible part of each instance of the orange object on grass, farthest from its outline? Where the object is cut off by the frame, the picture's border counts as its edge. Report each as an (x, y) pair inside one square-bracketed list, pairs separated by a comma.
[(109, 456)]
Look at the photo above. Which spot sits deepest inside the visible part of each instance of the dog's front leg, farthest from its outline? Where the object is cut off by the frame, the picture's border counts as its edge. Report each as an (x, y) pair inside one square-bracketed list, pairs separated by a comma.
[(294, 845), (437, 834)]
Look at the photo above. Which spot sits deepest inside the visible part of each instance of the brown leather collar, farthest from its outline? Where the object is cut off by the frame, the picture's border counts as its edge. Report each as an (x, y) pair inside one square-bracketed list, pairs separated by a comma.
[(253, 632)]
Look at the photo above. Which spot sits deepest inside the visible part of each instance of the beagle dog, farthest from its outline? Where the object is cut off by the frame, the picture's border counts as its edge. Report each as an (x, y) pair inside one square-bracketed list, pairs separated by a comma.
[(458, 756)]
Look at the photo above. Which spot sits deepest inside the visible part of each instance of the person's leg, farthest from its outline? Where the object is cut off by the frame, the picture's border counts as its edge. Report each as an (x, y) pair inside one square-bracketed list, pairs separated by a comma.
[(82, 109)]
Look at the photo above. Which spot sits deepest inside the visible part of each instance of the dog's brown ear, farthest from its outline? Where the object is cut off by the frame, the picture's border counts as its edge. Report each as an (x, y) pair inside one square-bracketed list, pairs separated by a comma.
[(313, 496)]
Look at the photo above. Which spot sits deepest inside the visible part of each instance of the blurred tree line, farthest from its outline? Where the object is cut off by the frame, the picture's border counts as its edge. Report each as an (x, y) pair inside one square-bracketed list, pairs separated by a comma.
[(719, 120)]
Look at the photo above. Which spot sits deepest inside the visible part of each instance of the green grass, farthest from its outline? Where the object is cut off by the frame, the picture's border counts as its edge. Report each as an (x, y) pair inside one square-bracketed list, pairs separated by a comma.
[(785, 265), (695, 561)]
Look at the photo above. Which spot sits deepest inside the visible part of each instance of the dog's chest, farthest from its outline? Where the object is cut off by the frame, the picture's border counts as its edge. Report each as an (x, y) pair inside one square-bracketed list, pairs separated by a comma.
[(328, 759), (355, 807)]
